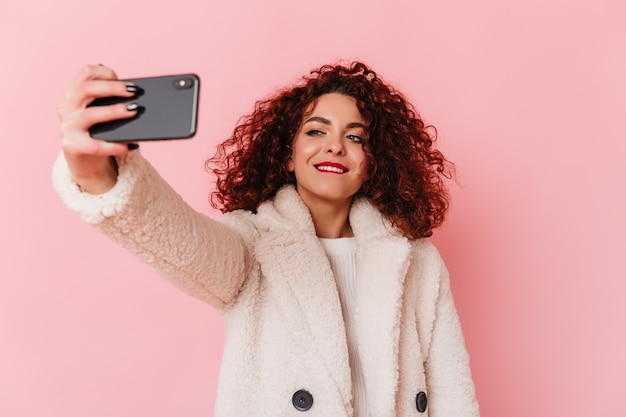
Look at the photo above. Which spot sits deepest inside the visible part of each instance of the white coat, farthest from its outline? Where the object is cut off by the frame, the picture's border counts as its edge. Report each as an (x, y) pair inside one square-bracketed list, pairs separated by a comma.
[(269, 275)]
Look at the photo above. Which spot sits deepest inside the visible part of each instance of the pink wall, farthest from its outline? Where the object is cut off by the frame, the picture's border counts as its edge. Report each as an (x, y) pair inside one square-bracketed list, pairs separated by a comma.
[(529, 100)]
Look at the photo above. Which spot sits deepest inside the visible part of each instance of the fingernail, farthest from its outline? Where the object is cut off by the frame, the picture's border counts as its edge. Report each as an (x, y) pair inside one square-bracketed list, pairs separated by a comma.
[(132, 107), (131, 88), (133, 146)]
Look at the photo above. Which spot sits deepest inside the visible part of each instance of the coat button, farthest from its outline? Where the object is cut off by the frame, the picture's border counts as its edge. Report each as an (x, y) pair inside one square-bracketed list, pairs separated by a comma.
[(302, 400), (421, 401)]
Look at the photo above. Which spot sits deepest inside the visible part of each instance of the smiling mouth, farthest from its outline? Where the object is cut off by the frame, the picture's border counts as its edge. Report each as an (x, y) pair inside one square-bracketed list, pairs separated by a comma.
[(336, 168)]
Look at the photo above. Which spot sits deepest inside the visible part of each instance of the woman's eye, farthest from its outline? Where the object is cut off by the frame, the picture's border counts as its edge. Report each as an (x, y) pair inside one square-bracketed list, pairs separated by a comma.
[(354, 138), (314, 132)]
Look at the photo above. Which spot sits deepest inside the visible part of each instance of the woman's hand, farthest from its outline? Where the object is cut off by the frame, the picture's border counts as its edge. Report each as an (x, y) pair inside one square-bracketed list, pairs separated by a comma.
[(89, 160)]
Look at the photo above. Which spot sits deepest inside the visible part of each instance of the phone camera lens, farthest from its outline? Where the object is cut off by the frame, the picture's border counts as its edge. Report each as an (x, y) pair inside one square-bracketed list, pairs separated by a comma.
[(183, 83)]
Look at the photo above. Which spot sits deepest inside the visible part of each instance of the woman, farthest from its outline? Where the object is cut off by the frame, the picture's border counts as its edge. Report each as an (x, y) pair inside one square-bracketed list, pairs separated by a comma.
[(333, 301)]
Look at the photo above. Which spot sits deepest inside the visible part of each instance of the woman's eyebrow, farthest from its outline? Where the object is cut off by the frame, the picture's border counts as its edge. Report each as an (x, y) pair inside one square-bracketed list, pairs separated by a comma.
[(322, 120), (356, 124), (327, 122)]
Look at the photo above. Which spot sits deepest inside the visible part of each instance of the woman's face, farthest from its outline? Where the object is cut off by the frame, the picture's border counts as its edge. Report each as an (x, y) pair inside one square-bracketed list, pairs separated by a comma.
[(327, 153)]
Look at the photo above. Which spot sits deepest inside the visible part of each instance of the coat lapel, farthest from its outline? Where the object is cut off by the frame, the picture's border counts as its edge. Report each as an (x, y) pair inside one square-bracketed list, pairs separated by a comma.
[(292, 256), (383, 259)]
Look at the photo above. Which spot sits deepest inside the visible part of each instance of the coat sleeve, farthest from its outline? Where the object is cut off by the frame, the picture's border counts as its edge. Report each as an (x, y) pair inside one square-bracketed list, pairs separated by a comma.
[(202, 256), (449, 380)]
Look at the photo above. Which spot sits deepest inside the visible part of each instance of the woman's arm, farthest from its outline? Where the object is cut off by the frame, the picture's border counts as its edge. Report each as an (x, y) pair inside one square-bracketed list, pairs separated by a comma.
[(120, 193), (203, 257)]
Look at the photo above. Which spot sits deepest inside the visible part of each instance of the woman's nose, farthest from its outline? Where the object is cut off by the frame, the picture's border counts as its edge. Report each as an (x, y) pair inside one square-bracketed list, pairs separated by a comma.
[(334, 145)]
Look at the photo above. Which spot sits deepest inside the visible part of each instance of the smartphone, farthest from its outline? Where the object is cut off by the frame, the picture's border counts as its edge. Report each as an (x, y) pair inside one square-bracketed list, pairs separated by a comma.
[(168, 109)]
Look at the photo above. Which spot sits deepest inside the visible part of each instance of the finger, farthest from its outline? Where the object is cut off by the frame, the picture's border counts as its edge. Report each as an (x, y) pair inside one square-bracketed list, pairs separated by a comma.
[(81, 146), (80, 95), (111, 148), (94, 72), (98, 88), (90, 116)]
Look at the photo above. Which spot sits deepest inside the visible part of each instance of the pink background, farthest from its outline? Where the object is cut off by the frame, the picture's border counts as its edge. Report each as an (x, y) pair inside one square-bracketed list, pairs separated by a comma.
[(529, 99)]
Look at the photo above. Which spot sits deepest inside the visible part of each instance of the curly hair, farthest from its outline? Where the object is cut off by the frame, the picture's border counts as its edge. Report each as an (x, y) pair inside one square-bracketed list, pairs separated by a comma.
[(406, 174)]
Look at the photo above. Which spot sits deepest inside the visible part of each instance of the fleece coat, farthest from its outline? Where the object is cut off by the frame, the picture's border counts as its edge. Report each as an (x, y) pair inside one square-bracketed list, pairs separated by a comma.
[(270, 277)]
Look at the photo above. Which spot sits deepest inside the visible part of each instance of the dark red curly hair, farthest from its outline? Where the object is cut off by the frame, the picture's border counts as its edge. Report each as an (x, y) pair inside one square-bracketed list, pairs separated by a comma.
[(406, 174)]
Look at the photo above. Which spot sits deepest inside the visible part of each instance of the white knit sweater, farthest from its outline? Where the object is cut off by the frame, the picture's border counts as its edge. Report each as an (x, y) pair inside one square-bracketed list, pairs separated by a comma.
[(342, 256)]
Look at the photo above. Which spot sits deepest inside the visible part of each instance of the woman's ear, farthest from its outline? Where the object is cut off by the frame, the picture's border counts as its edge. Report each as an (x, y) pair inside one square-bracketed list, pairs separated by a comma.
[(289, 165)]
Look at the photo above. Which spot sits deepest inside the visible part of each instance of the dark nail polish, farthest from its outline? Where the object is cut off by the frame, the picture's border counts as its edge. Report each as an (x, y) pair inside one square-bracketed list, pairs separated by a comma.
[(131, 88), (132, 146), (132, 107)]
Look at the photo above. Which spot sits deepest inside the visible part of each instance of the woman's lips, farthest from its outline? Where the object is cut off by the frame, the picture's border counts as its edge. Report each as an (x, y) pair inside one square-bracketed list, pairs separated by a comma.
[(331, 167)]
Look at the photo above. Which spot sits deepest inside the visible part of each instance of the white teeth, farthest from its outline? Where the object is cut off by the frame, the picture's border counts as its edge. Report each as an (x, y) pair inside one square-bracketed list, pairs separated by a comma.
[(330, 169)]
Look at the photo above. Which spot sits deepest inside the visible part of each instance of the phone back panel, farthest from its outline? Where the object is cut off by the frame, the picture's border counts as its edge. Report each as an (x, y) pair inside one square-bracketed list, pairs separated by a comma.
[(168, 108)]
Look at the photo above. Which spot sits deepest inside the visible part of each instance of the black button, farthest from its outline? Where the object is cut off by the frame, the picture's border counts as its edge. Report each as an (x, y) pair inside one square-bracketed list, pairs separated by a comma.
[(421, 401), (302, 400)]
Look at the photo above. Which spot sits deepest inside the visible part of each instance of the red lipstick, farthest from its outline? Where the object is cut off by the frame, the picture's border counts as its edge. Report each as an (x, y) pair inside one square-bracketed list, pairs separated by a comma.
[(328, 166)]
